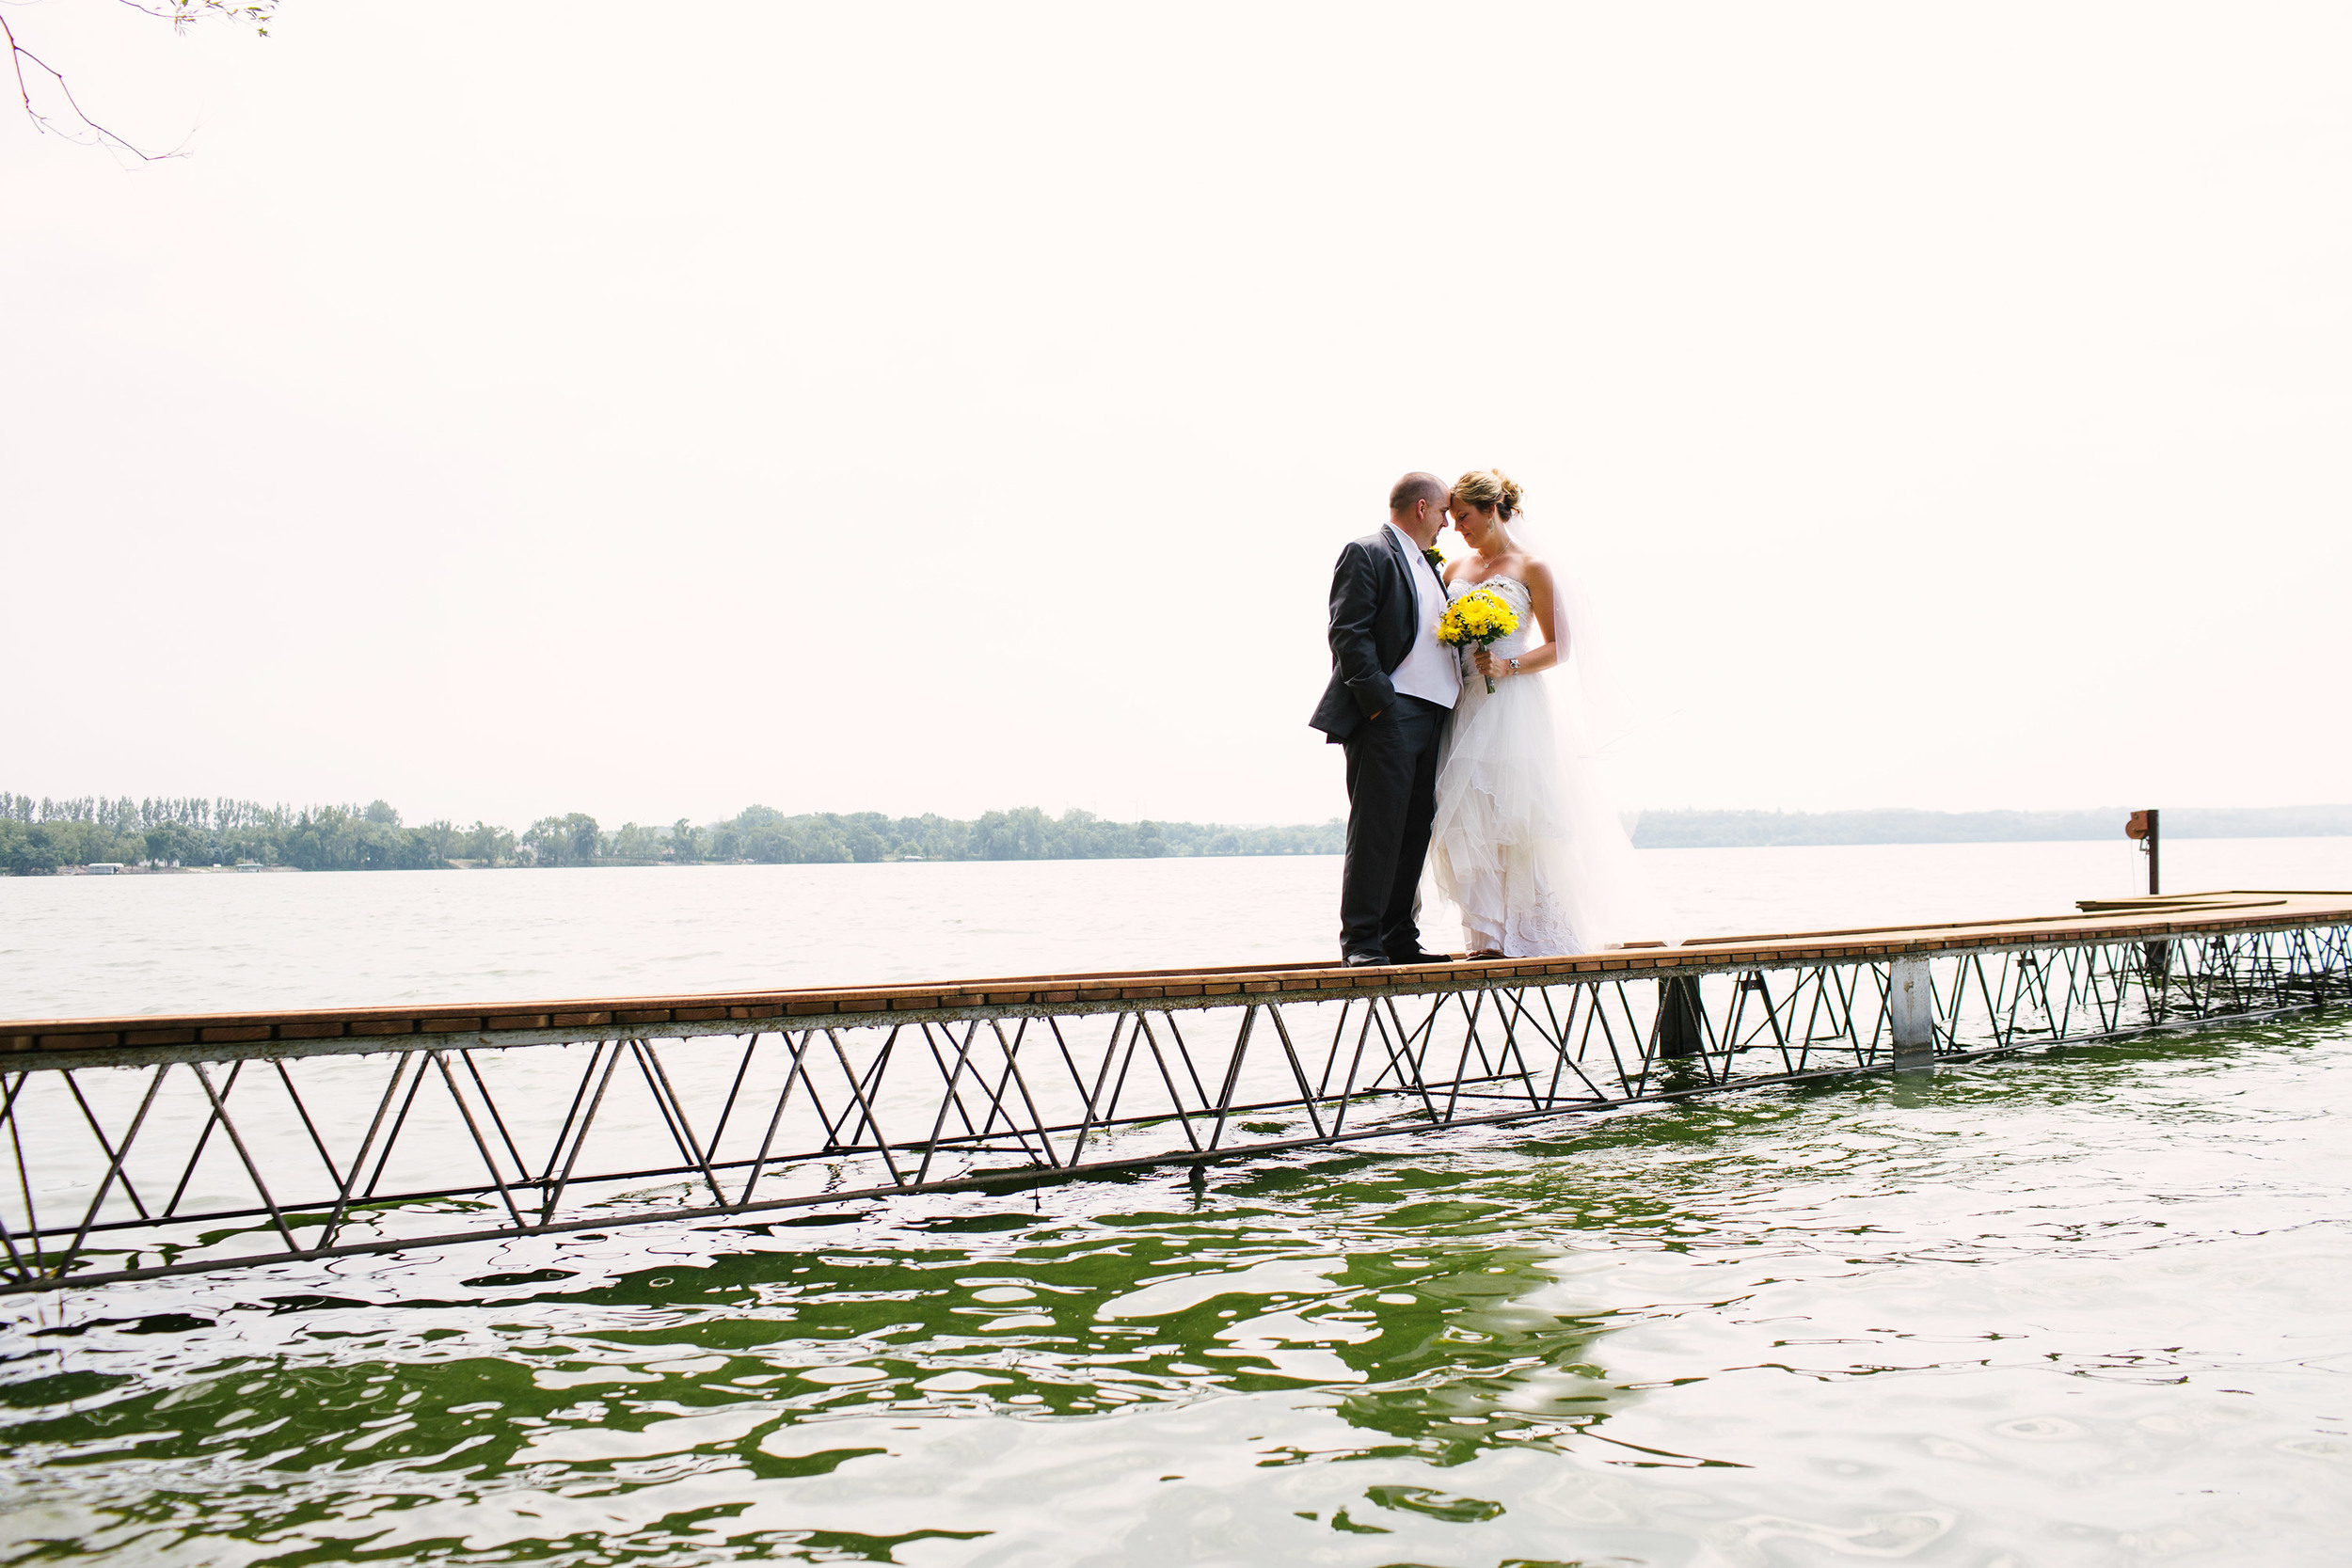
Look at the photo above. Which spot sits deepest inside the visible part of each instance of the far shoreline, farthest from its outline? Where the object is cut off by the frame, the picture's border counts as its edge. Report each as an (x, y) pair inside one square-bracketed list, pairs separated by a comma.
[(646, 865)]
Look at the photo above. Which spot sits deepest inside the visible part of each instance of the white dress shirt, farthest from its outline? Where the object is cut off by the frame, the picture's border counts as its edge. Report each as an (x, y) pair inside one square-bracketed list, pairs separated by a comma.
[(1431, 671)]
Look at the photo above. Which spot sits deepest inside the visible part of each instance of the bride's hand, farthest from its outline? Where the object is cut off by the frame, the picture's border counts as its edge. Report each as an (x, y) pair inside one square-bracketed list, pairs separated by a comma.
[(1489, 665)]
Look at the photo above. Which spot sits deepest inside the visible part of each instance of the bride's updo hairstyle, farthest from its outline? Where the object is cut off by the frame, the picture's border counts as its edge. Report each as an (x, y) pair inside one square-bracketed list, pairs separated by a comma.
[(1492, 490)]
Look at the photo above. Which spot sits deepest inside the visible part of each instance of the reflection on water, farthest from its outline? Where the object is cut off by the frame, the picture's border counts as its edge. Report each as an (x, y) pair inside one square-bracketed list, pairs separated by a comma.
[(2085, 1307)]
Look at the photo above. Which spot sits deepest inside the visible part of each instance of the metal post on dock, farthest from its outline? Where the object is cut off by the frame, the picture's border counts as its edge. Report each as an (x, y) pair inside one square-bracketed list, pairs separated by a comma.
[(2144, 826), (1911, 1008)]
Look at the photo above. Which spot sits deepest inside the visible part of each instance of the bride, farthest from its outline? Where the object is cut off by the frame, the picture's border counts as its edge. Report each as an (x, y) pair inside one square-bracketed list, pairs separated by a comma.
[(1525, 842)]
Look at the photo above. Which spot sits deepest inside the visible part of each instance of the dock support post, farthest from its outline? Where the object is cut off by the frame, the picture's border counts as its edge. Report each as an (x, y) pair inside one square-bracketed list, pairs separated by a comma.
[(1680, 1034), (1911, 1008)]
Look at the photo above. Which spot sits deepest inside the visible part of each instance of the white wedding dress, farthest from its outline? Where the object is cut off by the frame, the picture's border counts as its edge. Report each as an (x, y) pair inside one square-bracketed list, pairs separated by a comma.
[(1525, 843)]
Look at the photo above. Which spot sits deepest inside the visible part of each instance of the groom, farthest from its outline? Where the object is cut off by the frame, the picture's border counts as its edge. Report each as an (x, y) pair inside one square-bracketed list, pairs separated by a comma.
[(1392, 685)]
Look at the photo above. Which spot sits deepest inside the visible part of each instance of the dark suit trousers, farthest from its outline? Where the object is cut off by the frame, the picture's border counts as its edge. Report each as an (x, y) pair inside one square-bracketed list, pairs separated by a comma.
[(1392, 795)]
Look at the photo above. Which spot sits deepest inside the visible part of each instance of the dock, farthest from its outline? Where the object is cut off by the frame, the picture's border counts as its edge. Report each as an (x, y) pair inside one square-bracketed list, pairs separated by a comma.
[(145, 1146)]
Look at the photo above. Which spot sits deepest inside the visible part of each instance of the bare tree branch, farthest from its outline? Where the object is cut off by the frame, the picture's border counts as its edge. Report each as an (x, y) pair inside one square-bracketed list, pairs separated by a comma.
[(80, 127)]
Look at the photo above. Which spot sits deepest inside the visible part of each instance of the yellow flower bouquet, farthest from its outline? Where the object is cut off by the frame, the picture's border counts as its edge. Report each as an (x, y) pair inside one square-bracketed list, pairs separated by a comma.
[(1480, 616)]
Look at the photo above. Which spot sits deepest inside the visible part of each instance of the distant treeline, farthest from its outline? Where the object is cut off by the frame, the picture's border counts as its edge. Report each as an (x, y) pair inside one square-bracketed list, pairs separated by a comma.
[(45, 835), (1724, 829), (37, 836)]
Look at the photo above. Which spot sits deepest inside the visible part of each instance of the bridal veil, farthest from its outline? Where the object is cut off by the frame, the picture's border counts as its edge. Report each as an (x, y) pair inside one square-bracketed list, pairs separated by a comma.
[(1548, 779)]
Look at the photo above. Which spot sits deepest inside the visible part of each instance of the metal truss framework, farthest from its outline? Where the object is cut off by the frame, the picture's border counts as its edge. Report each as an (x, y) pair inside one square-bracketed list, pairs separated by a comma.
[(210, 1159)]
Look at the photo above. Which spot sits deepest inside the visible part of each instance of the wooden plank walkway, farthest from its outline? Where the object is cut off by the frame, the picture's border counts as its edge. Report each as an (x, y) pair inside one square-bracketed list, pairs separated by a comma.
[(2097, 921)]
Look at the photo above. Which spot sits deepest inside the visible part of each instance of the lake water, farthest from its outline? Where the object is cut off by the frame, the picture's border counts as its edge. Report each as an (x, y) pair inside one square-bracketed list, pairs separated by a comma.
[(2085, 1305), (77, 946)]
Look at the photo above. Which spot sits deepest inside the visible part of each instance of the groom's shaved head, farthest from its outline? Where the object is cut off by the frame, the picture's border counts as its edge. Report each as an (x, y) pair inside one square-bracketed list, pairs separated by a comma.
[(1415, 487)]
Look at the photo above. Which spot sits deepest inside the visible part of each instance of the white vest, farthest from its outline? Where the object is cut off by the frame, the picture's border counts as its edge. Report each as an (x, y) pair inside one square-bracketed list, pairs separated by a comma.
[(1431, 671)]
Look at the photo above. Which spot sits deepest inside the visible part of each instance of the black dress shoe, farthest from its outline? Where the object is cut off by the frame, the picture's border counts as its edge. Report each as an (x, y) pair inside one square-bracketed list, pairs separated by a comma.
[(1365, 960), (1418, 957)]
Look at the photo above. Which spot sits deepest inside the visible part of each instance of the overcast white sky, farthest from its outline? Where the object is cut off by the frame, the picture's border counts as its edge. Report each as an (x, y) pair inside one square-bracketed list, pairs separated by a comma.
[(522, 408)]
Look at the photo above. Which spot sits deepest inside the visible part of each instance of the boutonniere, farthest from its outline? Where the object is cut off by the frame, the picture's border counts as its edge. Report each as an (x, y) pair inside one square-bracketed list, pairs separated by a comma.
[(1436, 561)]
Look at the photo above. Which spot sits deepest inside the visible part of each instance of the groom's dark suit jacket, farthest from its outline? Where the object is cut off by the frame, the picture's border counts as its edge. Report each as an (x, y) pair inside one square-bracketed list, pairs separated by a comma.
[(1374, 618)]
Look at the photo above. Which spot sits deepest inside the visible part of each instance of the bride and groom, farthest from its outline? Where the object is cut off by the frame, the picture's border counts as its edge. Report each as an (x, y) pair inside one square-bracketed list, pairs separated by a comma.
[(1494, 792)]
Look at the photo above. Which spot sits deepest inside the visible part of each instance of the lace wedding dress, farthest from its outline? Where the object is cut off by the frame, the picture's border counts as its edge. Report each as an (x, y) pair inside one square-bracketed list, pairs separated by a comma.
[(1525, 843)]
